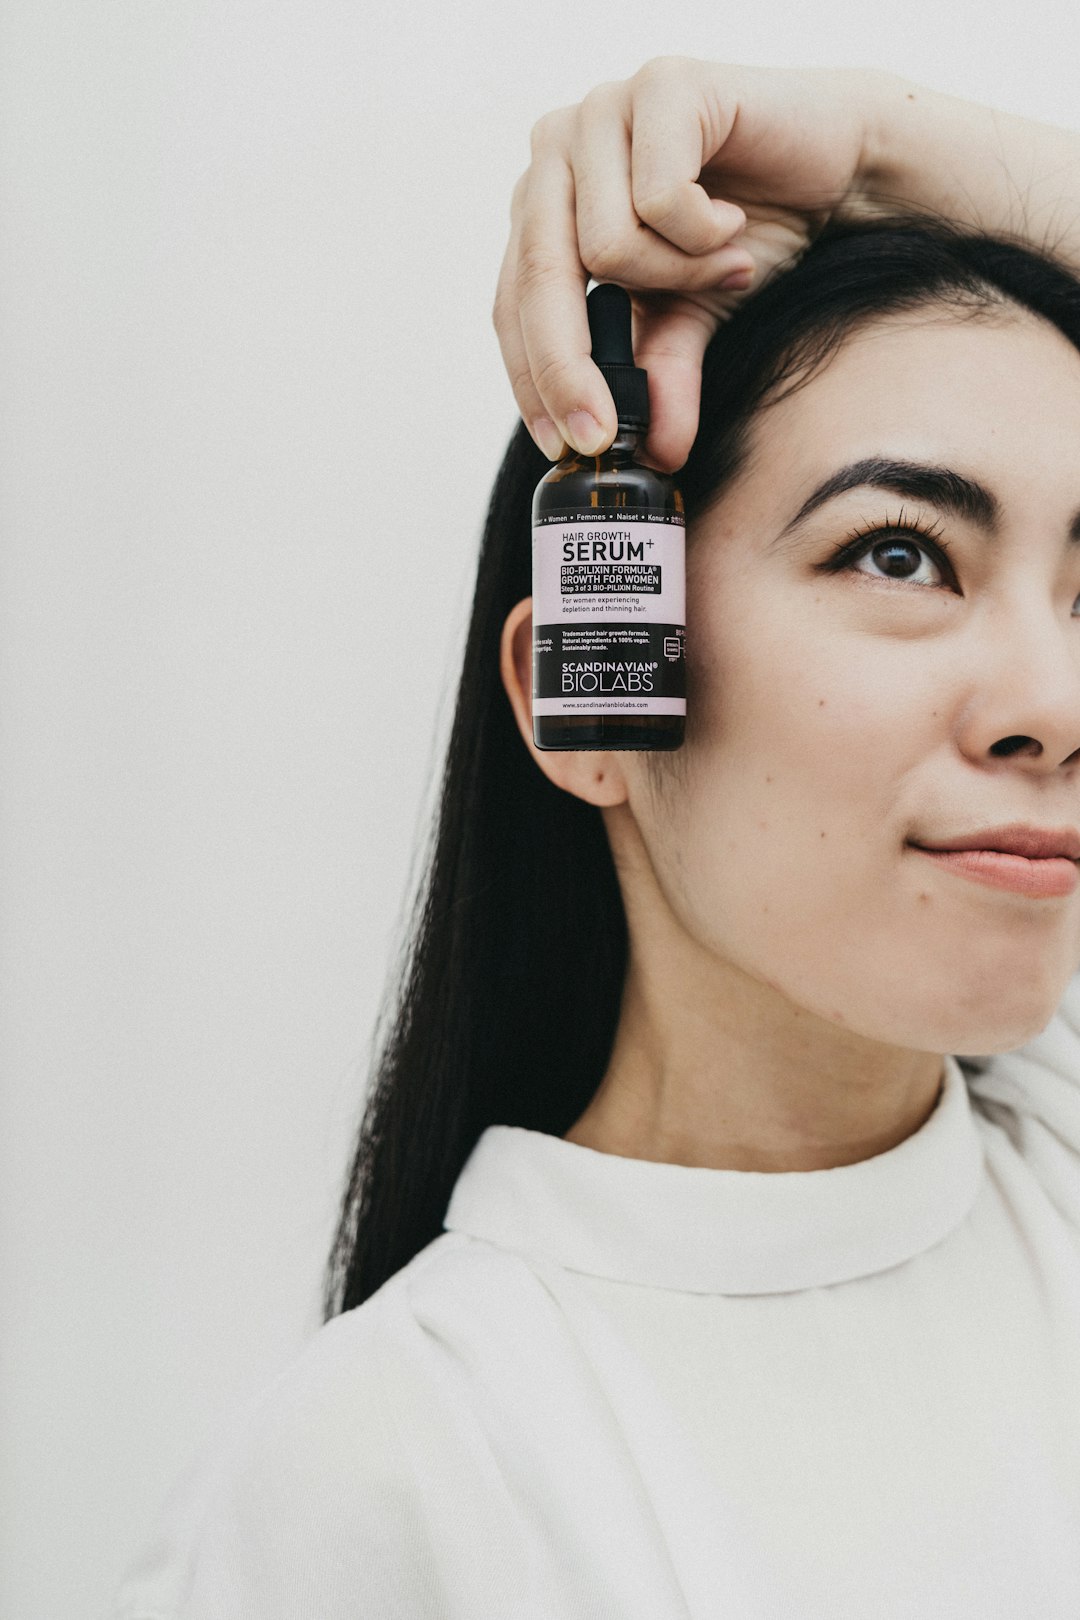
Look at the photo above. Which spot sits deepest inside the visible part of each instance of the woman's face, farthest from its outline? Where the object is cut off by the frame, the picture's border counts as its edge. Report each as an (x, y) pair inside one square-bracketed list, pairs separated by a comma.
[(836, 714)]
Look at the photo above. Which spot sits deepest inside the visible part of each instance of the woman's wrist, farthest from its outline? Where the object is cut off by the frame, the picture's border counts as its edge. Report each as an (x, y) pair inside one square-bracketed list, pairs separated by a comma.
[(929, 152)]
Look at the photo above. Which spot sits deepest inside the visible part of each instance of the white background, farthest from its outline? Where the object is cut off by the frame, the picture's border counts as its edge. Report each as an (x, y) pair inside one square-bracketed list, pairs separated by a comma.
[(253, 406)]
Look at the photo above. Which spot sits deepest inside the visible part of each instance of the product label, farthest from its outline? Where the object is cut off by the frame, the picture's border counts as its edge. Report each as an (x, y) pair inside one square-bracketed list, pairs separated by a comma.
[(609, 611)]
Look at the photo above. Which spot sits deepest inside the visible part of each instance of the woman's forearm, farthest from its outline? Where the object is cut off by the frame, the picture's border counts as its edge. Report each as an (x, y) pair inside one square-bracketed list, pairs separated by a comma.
[(995, 170)]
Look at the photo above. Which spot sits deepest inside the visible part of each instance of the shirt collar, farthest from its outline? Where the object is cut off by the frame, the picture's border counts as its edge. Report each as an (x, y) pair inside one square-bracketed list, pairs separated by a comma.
[(702, 1230)]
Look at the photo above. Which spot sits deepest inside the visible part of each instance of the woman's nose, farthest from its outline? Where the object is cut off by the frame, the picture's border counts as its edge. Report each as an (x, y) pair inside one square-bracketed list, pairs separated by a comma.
[(1034, 709)]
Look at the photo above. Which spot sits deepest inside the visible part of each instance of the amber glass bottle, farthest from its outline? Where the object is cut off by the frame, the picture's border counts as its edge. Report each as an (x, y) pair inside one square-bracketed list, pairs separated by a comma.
[(609, 575)]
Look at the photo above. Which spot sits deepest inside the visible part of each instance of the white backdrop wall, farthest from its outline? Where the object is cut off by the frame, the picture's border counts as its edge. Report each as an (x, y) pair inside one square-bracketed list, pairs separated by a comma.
[(253, 404)]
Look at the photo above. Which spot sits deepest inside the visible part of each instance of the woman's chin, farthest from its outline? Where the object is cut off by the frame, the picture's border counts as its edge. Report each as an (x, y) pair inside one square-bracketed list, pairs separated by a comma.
[(993, 1033)]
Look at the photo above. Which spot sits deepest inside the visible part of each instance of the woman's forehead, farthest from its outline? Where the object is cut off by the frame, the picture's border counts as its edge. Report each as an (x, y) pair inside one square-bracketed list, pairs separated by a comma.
[(987, 393)]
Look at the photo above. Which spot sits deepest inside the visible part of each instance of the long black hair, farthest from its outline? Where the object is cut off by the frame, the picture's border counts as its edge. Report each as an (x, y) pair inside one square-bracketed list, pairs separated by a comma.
[(503, 1006)]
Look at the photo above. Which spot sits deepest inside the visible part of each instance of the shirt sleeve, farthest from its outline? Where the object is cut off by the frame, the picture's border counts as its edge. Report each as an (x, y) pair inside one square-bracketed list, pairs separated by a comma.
[(301, 1511), (1033, 1092)]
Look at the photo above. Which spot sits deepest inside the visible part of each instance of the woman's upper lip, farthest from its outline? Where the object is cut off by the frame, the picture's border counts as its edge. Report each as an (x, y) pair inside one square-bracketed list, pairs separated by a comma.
[(1037, 843)]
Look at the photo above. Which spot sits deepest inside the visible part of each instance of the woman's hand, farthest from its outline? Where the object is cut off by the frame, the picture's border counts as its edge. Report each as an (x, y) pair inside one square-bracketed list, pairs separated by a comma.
[(668, 183)]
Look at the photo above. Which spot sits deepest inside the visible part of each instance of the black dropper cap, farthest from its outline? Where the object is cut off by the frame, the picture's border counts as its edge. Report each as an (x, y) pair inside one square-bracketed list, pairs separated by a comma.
[(608, 309)]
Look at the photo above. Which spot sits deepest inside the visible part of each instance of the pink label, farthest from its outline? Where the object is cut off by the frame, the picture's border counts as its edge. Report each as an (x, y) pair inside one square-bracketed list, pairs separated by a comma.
[(609, 611)]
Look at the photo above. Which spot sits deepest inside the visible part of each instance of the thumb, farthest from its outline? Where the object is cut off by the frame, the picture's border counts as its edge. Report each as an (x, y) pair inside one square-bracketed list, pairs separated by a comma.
[(671, 334)]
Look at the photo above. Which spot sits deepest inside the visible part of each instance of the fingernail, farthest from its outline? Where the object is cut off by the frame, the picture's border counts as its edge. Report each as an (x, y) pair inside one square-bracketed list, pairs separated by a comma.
[(548, 438), (586, 432), (738, 279)]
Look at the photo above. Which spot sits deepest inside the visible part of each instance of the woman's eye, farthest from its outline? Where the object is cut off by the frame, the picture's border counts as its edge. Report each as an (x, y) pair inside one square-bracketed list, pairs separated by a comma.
[(897, 557), (901, 557)]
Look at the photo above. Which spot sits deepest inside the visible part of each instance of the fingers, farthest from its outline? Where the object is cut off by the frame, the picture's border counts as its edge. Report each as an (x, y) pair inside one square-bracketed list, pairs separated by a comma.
[(670, 340), (540, 313), (507, 322), (638, 150), (574, 213), (627, 179)]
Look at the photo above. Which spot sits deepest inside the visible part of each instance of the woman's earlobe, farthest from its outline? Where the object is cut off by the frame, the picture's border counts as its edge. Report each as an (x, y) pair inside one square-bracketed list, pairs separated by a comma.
[(594, 775)]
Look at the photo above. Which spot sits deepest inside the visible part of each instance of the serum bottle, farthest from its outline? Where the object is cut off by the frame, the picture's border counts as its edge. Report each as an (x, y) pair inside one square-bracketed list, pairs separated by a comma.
[(609, 575)]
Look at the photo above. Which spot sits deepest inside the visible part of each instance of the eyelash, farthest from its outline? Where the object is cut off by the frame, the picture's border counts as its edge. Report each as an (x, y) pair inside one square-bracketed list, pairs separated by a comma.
[(859, 542)]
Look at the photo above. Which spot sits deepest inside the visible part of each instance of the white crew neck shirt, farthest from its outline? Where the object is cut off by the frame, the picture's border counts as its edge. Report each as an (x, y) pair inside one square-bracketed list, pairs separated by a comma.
[(614, 1389)]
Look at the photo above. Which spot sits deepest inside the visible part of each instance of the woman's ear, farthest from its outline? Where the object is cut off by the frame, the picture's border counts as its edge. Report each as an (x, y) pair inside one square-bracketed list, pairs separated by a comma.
[(595, 775)]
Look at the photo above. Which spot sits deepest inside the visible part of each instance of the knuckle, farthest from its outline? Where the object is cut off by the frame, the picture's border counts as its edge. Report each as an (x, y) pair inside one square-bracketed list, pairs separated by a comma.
[(538, 133), (601, 96), (609, 257), (521, 381), (548, 127), (662, 69), (537, 265), (550, 376), (653, 67), (657, 206)]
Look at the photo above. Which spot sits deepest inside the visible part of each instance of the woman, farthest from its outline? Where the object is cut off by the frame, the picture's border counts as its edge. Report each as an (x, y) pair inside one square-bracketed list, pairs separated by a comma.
[(685, 1268)]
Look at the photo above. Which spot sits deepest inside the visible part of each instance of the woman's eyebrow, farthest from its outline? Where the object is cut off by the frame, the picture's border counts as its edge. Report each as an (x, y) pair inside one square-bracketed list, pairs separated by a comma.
[(942, 487)]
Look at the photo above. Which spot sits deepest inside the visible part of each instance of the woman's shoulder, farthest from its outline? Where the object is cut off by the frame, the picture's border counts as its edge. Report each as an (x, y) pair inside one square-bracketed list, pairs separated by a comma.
[(313, 1492), (1031, 1097)]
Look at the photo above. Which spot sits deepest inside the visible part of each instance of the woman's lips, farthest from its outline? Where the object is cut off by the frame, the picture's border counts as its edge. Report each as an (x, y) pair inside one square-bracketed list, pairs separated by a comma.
[(1039, 879)]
